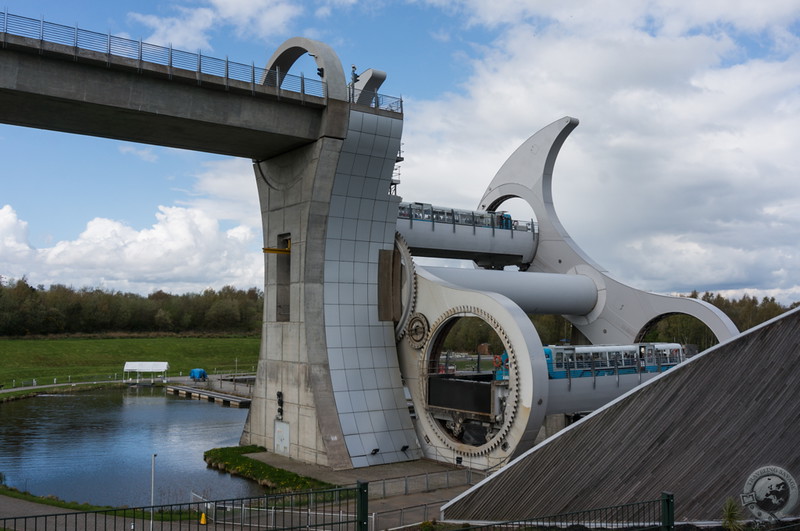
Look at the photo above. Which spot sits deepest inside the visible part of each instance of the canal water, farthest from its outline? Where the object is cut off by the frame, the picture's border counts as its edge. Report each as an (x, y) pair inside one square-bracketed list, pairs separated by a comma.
[(97, 447)]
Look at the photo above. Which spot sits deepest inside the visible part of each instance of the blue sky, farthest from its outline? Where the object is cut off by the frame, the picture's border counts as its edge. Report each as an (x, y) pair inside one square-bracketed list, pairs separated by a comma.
[(682, 175)]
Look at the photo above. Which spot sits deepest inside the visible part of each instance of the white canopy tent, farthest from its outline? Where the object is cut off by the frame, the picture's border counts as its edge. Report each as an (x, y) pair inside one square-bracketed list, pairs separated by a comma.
[(146, 367)]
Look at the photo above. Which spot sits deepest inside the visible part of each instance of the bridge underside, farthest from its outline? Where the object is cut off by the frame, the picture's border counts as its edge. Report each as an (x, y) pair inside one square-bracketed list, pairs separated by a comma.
[(43, 112), (120, 99)]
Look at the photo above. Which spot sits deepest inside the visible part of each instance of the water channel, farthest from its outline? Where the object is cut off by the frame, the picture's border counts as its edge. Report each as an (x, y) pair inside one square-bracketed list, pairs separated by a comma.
[(97, 447)]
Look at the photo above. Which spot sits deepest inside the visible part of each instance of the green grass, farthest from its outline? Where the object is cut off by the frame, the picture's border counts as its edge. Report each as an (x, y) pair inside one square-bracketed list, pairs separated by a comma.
[(234, 461), (120, 512), (73, 360), (11, 492)]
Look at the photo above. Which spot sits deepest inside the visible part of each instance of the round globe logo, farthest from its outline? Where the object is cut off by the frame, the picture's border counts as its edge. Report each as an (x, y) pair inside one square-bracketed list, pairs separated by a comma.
[(770, 493)]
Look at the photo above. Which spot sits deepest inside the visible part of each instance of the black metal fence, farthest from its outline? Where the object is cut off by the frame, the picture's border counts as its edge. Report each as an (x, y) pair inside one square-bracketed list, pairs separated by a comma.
[(338, 509), (406, 516), (655, 514)]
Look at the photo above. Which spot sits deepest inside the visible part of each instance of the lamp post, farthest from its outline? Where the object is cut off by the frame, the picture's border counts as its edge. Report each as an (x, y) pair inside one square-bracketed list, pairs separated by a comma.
[(152, 488)]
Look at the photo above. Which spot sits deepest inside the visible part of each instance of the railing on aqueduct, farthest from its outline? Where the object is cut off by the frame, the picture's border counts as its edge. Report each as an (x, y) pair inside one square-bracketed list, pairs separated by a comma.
[(113, 46)]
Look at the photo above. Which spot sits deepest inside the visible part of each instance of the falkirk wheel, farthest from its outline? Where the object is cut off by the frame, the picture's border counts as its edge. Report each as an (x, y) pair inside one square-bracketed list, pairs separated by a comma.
[(353, 327)]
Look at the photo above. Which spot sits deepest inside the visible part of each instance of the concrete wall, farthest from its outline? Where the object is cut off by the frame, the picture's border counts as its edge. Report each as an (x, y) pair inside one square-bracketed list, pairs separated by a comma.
[(292, 358), (331, 358)]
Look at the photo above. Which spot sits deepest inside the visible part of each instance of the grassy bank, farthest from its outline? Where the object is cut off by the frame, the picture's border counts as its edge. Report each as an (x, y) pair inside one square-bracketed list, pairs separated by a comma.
[(79, 359), (235, 461), (48, 500), (119, 512)]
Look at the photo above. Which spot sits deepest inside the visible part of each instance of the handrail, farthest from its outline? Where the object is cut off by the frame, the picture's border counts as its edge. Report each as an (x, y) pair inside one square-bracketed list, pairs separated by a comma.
[(405, 485), (416, 514), (113, 46), (340, 508)]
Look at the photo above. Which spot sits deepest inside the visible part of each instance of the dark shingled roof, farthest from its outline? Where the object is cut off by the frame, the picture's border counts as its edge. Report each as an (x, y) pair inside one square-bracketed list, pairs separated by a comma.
[(699, 431)]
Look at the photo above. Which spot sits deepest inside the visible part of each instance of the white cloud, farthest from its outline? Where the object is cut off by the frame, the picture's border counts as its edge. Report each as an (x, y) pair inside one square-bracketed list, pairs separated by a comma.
[(183, 244), (191, 28), (441, 35), (682, 174), (15, 251), (659, 16), (226, 190), (188, 30), (146, 154), (259, 19), (185, 250)]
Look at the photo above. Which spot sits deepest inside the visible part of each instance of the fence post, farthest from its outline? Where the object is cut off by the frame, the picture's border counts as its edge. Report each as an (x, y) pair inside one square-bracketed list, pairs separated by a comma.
[(302, 88), (362, 506), (667, 511), (227, 73)]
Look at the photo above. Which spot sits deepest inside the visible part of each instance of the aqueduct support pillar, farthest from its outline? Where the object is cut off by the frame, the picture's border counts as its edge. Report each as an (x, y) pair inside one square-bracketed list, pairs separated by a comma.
[(328, 389)]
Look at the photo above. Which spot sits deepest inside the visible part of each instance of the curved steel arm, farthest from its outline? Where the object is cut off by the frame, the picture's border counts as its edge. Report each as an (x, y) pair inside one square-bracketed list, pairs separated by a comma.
[(622, 313)]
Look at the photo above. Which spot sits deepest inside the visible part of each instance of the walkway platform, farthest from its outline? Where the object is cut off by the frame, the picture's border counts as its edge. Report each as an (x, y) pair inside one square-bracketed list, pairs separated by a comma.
[(211, 396)]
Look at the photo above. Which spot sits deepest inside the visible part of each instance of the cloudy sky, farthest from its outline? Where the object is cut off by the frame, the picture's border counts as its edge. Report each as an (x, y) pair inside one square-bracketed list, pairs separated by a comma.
[(682, 175)]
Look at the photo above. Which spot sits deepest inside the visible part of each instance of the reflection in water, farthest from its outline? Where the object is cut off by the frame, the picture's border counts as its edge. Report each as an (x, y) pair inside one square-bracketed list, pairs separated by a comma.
[(97, 447)]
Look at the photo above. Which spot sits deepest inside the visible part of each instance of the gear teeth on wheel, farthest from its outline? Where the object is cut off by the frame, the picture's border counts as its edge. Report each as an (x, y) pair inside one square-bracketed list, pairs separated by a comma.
[(410, 276), (512, 404)]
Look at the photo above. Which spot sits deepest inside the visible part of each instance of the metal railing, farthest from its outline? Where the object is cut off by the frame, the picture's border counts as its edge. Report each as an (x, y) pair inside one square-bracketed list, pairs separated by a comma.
[(150, 54), (229, 373), (376, 100), (340, 508), (402, 486), (406, 516), (655, 514)]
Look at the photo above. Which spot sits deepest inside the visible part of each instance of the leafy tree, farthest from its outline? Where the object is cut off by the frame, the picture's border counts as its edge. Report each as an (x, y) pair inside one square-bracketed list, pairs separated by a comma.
[(467, 333), (223, 314), (163, 320)]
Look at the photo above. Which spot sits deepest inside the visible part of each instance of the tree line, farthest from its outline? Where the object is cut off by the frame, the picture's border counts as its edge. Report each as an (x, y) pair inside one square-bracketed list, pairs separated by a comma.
[(27, 310)]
